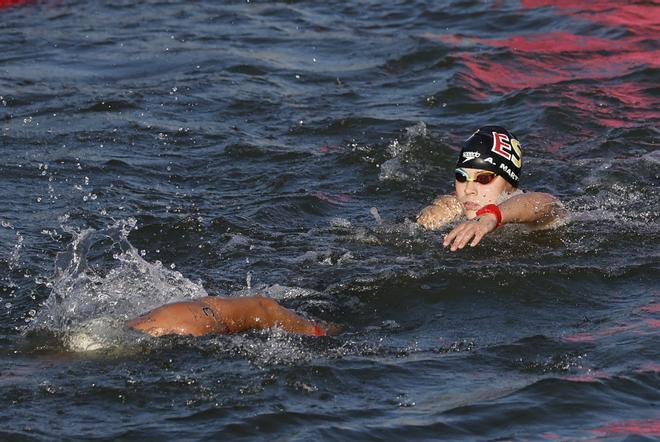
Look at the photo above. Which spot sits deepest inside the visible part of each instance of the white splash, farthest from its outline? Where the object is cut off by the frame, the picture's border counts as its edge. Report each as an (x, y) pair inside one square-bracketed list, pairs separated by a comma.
[(376, 215), (88, 308), (400, 167)]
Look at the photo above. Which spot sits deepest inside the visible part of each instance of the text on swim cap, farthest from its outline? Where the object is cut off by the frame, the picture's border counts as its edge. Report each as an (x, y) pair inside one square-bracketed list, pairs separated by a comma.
[(509, 172), (507, 148)]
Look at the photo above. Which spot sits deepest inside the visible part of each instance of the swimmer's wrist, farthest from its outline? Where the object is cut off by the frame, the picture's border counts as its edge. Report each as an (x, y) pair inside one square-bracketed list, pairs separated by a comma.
[(491, 209), (318, 331)]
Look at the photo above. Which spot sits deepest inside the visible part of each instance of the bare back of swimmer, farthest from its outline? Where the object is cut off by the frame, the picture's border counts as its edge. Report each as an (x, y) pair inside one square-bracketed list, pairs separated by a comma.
[(218, 315)]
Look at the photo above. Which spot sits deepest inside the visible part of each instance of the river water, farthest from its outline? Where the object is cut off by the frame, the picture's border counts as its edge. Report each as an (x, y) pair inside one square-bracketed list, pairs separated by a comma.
[(168, 149)]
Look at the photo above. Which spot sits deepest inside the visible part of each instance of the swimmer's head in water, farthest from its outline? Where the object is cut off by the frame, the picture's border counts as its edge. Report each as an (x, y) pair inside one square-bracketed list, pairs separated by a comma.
[(493, 148)]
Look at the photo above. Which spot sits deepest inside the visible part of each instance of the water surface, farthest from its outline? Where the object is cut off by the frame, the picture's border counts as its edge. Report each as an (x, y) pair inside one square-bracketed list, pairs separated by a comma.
[(163, 150)]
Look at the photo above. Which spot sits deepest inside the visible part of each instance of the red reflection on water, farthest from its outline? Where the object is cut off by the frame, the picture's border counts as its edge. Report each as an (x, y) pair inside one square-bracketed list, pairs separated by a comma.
[(556, 42), (599, 376), (609, 331), (608, 111), (452, 39), (607, 12), (550, 59), (652, 322), (589, 70), (554, 58), (652, 308), (9, 3), (338, 198), (650, 427), (579, 337), (332, 148), (651, 367)]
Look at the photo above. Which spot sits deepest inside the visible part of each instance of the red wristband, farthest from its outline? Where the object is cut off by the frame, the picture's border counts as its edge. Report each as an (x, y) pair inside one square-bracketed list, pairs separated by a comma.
[(491, 208), (318, 331)]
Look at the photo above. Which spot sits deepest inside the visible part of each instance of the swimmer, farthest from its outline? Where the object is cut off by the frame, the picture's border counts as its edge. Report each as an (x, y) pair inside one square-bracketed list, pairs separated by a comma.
[(486, 182), (218, 315)]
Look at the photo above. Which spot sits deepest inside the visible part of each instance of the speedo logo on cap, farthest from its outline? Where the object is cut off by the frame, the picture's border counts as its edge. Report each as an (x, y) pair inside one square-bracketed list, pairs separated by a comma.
[(469, 156)]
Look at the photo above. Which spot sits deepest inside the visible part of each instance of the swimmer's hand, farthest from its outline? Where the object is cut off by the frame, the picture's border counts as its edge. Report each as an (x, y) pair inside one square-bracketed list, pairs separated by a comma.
[(471, 232), (442, 211)]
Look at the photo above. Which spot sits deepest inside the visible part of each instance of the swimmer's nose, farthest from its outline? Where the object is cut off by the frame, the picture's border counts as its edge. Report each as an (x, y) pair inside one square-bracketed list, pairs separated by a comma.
[(471, 188)]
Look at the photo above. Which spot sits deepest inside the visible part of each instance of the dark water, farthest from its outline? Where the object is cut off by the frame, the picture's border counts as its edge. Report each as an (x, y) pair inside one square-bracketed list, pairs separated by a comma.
[(160, 150)]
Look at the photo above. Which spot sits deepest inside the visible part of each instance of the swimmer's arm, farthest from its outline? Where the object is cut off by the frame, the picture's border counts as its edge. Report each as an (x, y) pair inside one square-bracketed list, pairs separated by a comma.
[(537, 210), (258, 312), (534, 209), (193, 317), (443, 210), (223, 315)]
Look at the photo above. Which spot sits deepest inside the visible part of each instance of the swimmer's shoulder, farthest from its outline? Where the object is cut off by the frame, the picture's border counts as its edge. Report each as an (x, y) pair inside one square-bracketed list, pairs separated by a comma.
[(443, 210)]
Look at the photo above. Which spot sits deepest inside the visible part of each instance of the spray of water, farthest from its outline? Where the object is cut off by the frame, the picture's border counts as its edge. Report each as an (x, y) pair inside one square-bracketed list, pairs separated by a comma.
[(402, 165), (88, 306)]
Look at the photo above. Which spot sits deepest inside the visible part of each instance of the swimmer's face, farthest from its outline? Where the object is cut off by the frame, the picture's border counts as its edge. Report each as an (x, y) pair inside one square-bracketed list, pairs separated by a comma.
[(473, 195)]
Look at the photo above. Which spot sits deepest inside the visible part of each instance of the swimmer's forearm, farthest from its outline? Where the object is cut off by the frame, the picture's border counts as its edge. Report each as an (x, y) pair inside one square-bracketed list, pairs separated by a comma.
[(534, 208)]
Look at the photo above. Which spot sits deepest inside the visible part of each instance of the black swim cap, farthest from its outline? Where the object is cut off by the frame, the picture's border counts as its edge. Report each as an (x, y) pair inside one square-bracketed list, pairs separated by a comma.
[(493, 148)]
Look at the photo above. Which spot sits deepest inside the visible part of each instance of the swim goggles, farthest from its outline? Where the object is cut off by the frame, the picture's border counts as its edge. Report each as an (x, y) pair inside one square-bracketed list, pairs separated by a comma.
[(485, 177)]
